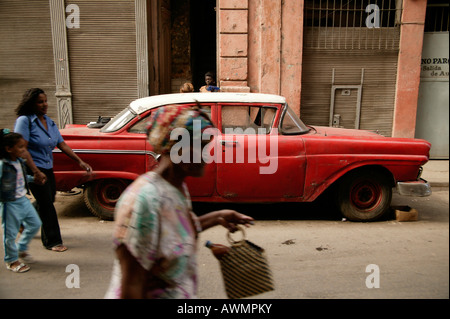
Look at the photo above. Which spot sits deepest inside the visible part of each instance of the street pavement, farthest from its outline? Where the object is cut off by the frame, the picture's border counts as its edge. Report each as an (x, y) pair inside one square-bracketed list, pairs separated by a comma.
[(313, 254), (436, 173)]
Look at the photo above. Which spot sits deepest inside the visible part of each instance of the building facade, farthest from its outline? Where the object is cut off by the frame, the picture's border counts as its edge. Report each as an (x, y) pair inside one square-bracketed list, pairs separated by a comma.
[(353, 64), (432, 117)]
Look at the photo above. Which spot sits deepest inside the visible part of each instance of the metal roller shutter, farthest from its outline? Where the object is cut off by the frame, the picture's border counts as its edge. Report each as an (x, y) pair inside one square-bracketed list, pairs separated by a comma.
[(378, 89), (350, 68), (26, 55), (102, 57)]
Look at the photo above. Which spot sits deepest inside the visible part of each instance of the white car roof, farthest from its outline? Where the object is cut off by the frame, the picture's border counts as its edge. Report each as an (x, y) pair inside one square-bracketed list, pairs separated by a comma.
[(146, 103)]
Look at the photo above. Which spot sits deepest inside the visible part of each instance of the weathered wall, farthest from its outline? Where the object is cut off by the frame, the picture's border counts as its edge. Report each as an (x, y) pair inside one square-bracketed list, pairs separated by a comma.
[(408, 72), (260, 47)]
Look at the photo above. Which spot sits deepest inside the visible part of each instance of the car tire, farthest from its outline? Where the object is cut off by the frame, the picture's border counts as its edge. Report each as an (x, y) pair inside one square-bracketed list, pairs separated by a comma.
[(364, 195), (102, 195)]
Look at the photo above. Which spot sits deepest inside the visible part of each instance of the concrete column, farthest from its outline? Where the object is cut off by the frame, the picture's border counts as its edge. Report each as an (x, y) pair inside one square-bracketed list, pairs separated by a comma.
[(233, 46), (61, 60), (270, 46), (408, 72), (276, 48), (142, 48), (292, 52)]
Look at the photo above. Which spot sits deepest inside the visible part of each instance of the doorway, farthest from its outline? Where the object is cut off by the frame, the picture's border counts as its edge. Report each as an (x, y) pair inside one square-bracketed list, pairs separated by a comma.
[(203, 40), (182, 38)]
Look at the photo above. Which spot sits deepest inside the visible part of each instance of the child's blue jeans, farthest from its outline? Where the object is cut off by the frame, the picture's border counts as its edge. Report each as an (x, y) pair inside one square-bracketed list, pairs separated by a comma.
[(14, 214)]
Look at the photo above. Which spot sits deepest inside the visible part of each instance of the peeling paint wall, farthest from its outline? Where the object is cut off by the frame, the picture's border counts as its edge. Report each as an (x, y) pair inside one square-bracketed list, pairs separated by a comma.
[(260, 47)]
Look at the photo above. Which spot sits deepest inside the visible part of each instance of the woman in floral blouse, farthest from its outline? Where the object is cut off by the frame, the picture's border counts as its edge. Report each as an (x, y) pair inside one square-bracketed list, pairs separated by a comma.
[(155, 229)]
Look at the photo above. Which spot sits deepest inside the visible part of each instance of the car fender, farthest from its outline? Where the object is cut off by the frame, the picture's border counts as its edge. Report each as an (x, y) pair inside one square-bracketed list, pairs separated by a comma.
[(314, 187), (65, 180)]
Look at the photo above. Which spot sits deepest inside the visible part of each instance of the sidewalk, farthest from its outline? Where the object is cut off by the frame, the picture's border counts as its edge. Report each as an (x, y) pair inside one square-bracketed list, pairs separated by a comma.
[(436, 173)]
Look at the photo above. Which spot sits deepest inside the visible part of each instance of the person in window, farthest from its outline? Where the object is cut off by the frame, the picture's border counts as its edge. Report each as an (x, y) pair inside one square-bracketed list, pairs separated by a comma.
[(155, 232), (41, 136), (210, 84)]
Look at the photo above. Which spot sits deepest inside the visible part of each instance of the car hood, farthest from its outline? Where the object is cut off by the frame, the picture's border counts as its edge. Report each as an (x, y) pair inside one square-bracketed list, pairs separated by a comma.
[(334, 131), (76, 130)]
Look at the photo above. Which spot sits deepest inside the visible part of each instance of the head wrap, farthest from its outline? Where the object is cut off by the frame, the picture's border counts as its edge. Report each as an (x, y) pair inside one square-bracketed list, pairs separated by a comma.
[(170, 117)]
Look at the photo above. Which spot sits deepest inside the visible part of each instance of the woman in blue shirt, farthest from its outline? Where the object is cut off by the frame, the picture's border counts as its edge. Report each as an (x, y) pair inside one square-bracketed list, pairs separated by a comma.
[(42, 136)]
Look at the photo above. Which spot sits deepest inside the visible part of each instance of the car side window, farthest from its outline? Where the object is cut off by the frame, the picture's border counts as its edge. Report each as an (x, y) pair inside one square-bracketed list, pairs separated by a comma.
[(206, 109), (140, 126), (248, 120), (291, 123)]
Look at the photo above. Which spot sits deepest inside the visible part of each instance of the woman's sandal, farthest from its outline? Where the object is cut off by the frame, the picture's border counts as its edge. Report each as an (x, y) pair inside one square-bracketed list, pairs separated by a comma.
[(19, 268), (59, 248)]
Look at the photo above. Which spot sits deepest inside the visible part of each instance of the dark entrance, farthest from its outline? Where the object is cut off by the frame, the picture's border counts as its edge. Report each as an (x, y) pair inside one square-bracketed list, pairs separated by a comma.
[(203, 40)]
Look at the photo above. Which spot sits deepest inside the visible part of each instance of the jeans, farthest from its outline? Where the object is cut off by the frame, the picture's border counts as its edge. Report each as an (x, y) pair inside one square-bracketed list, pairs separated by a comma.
[(45, 196), (14, 214)]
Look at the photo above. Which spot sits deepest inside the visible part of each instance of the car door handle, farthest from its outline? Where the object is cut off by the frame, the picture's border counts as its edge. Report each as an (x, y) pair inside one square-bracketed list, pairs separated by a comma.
[(228, 142)]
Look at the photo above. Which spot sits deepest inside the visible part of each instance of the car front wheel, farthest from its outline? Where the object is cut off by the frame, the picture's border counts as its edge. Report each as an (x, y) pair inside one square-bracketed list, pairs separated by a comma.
[(364, 195), (101, 196)]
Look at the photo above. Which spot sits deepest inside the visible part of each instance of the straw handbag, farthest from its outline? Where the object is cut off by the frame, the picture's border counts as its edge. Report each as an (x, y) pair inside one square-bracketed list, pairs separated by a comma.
[(245, 269)]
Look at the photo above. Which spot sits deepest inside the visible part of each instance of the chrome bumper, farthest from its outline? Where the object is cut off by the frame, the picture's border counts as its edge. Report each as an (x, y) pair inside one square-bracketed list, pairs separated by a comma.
[(415, 188)]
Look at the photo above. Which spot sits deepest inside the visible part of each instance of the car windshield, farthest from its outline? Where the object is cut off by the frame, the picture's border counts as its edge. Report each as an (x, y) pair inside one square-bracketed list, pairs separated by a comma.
[(291, 124), (118, 121)]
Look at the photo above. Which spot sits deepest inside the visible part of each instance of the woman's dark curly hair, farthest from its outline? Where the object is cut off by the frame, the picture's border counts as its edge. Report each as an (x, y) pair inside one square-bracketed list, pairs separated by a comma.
[(26, 106)]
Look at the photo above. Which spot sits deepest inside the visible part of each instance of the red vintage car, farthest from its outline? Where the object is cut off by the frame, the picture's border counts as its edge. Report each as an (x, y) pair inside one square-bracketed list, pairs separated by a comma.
[(262, 152)]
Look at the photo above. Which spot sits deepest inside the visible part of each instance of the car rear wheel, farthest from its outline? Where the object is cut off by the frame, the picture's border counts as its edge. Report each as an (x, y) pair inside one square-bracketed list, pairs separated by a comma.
[(364, 195), (101, 196)]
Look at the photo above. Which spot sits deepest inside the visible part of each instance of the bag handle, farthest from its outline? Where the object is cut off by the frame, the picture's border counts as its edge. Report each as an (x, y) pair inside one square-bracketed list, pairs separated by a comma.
[(235, 242)]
